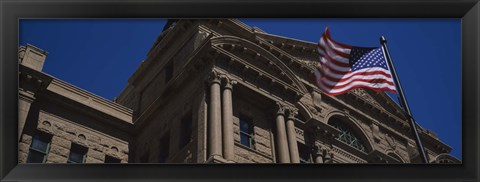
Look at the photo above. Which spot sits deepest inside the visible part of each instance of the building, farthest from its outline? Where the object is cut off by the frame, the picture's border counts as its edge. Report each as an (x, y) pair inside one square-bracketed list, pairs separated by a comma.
[(214, 91)]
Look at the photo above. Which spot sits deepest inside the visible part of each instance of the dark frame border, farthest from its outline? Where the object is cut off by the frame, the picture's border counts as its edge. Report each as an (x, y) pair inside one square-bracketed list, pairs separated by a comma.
[(468, 10)]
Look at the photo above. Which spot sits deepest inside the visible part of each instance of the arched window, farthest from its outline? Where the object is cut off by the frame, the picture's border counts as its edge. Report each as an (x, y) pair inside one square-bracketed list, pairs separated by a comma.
[(348, 136)]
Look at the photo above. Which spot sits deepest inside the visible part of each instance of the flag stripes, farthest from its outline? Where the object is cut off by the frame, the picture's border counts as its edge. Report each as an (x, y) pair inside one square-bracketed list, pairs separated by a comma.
[(343, 67)]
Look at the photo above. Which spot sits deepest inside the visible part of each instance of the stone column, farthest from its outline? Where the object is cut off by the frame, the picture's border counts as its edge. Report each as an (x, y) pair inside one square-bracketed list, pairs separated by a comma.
[(281, 137), (292, 137), (214, 112), (318, 153), (25, 99), (227, 122), (328, 158)]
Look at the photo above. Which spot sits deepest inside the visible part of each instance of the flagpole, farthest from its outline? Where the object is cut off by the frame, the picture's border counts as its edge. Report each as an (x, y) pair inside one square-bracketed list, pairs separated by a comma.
[(403, 101)]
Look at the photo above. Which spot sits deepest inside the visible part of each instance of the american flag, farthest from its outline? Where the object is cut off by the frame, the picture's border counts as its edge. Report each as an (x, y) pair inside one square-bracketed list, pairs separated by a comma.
[(343, 67)]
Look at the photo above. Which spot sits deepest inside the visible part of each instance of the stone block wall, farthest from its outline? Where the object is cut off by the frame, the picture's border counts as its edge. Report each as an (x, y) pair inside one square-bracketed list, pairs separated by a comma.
[(64, 132), (262, 127), (23, 148), (166, 120)]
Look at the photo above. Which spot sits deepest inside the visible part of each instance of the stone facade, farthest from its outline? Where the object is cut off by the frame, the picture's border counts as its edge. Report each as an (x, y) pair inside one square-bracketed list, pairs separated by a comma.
[(217, 91), (65, 115)]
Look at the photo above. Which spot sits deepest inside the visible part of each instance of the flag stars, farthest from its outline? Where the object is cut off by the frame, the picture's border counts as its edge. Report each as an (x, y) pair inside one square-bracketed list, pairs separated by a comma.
[(361, 58)]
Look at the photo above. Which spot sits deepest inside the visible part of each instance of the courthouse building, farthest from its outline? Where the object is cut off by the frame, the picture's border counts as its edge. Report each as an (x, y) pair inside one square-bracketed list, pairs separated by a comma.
[(214, 91)]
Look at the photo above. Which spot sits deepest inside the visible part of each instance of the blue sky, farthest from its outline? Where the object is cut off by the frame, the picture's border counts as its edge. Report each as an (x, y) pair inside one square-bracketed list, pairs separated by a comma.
[(100, 55)]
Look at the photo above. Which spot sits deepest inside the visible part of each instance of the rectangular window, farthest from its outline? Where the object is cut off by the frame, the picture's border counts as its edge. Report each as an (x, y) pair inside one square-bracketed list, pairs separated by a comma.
[(110, 159), (164, 148), (186, 130), (305, 153), (77, 154), (39, 149), (246, 133)]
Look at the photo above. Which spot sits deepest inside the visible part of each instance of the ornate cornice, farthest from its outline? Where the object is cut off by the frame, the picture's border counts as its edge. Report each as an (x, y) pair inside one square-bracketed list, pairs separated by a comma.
[(249, 72), (246, 45)]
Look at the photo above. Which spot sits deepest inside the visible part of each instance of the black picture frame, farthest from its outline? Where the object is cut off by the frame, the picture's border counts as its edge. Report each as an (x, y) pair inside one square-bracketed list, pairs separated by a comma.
[(11, 11)]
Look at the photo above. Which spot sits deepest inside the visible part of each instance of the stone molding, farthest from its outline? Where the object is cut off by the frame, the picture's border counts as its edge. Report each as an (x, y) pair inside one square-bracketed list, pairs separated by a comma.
[(98, 103), (231, 40)]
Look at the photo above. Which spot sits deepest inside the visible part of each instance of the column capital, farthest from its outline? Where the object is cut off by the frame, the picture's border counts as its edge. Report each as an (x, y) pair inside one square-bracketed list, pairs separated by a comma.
[(281, 109), (293, 112), (213, 77), (228, 82), (328, 158), (319, 149)]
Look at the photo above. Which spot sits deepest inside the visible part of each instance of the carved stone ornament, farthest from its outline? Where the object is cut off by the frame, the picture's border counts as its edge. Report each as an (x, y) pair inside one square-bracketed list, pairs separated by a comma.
[(228, 82), (391, 141), (328, 156), (293, 112), (325, 152), (375, 132), (313, 102), (214, 77), (363, 94), (314, 110), (281, 108), (300, 134), (317, 99), (317, 148)]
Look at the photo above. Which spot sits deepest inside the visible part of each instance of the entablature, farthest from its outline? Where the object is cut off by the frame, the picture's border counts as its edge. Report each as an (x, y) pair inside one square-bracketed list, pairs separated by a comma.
[(46, 84)]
